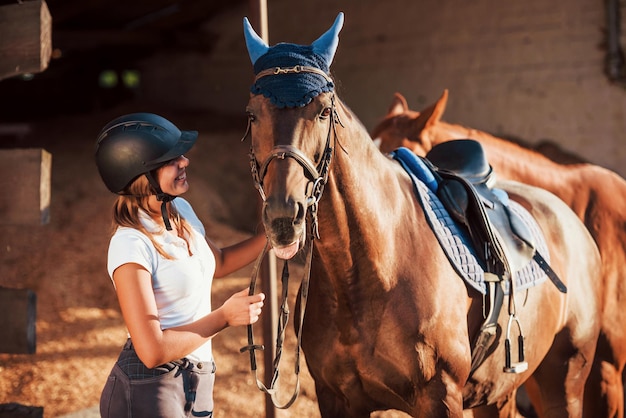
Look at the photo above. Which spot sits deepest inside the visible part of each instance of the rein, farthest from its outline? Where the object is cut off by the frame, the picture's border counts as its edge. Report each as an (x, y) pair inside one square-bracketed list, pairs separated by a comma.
[(318, 176), (282, 325)]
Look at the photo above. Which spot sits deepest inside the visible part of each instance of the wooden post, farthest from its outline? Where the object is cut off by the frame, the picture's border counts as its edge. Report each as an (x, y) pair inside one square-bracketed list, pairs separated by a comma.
[(25, 38), (25, 179), (258, 20), (17, 321)]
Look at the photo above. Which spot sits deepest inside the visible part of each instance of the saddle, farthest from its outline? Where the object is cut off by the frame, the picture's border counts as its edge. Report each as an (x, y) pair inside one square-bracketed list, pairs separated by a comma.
[(463, 180), (466, 190)]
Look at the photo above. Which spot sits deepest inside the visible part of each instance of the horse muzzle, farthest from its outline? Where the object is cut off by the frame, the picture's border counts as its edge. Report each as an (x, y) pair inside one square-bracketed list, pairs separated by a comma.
[(285, 226)]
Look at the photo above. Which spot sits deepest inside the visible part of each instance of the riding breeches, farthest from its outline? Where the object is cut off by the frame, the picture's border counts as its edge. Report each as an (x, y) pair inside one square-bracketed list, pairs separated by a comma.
[(176, 389)]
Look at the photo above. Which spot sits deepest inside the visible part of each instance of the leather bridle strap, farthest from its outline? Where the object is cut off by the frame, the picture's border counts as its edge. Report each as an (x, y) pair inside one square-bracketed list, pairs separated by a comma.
[(283, 151), (292, 70), (282, 325)]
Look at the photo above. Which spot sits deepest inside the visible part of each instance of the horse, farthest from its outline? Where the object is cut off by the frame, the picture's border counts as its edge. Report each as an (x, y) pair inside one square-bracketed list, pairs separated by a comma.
[(388, 323), (595, 194)]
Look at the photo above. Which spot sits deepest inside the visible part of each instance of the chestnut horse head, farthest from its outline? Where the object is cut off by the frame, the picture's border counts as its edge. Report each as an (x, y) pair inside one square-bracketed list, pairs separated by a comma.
[(389, 323), (293, 117), (596, 195)]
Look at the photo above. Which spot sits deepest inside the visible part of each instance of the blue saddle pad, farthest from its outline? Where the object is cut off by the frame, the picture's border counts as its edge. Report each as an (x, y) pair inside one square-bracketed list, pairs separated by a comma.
[(454, 239)]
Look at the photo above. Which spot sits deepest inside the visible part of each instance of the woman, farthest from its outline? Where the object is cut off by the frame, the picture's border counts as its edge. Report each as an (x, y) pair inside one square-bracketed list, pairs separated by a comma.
[(162, 267)]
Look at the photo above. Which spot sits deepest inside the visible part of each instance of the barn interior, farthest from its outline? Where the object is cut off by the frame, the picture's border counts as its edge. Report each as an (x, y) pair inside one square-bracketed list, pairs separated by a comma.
[(542, 72)]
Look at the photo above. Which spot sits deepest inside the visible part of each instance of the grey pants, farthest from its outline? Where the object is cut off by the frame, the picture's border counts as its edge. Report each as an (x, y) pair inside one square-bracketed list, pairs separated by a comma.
[(177, 389)]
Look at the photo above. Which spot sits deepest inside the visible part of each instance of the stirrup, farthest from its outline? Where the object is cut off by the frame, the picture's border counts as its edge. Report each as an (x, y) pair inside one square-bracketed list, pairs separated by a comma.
[(521, 365)]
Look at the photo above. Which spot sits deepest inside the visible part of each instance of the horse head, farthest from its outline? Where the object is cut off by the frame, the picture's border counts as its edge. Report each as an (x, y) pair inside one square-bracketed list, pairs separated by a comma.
[(291, 117), (403, 127)]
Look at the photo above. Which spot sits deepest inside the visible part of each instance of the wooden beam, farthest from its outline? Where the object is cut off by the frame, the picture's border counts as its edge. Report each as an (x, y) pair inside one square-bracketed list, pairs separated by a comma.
[(25, 177), (86, 40), (17, 321), (25, 38)]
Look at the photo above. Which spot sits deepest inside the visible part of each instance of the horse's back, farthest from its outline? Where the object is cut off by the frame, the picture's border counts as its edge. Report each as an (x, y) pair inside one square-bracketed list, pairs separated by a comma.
[(555, 218)]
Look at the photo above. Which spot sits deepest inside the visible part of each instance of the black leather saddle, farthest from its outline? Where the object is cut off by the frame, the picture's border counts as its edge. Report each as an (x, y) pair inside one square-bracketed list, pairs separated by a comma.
[(500, 237)]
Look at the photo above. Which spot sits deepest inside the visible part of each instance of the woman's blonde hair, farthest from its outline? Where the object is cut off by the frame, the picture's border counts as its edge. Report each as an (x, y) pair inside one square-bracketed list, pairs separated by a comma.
[(126, 213)]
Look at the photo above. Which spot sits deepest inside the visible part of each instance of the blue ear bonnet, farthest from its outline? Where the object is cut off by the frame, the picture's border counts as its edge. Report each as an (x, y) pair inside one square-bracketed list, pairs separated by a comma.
[(292, 89)]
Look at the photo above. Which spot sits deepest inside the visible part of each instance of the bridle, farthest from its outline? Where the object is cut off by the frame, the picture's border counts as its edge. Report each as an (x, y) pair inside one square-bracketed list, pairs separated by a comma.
[(316, 173), (318, 177)]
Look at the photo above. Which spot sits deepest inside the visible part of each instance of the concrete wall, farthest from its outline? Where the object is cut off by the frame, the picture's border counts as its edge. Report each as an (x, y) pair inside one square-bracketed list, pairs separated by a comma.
[(533, 70)]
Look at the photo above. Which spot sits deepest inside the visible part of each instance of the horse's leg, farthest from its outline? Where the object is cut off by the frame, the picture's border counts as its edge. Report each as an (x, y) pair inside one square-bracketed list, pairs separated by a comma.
[(560, 378), (331, 405), (525, 400), (506, 408), (442, 397), (430, 404), (531, 399), (349, 402), (604, 396)]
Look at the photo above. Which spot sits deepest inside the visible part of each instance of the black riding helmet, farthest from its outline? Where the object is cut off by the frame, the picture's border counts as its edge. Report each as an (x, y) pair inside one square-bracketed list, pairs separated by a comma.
[(137, 144)]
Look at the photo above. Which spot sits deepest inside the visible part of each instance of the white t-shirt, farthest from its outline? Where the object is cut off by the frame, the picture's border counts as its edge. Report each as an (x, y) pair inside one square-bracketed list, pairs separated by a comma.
[(182, 286)]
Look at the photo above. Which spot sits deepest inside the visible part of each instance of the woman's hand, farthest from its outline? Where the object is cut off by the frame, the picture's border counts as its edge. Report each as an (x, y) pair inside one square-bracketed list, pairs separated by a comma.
[(241, 309)]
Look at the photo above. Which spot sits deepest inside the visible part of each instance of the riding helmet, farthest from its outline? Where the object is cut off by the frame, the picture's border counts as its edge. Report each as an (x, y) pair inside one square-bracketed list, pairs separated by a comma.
[(136, 144)]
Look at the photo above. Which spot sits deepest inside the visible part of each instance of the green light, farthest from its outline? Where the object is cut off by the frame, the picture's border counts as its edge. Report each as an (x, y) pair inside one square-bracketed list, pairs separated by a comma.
[(131, 78), (107, 79)]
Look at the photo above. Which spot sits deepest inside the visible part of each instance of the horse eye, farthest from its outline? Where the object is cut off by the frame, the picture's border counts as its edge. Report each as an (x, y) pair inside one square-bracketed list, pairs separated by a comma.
[(325, 113)]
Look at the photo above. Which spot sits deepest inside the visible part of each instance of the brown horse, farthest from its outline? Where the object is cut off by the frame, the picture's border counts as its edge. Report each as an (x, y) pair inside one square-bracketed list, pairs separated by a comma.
[(596, 195), (389, 323)]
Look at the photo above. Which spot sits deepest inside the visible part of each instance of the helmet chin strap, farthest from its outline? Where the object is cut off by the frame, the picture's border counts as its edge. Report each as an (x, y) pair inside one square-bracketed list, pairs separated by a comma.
[(161, 197)]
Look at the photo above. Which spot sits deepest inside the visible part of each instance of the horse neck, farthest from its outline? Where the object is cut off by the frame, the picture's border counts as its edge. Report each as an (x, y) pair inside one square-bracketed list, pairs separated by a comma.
[(355, 211), (512, 161)]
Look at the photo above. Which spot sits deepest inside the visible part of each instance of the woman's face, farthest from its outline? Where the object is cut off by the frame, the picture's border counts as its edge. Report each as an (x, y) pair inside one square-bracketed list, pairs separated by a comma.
[(172, 176)]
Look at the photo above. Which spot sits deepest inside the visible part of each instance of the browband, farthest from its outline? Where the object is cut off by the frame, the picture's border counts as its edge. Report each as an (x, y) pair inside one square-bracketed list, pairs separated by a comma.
[(293, 70)]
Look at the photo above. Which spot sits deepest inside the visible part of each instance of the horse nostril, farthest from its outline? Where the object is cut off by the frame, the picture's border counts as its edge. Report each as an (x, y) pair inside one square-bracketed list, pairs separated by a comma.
[(300, 214)]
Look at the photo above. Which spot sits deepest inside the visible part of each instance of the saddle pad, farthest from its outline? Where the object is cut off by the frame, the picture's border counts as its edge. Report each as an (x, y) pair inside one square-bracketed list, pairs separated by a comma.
[(457, 246)]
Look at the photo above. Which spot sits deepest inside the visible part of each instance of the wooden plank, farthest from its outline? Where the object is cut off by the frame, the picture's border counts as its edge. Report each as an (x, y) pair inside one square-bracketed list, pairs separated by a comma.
[(25, 181), (16, 410), (25, 38), (17, 321)]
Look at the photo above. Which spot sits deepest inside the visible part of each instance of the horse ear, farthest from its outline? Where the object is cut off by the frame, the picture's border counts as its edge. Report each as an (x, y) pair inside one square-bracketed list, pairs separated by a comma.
[(256, 46), (398, 105), (438, 108), (433, 113), (326, 45)]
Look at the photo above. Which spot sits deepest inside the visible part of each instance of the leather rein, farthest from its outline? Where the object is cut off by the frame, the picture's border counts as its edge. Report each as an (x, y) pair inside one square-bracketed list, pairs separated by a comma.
[(318, 176)]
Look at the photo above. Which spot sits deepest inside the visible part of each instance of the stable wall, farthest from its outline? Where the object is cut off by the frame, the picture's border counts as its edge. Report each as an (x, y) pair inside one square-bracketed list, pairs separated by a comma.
[(531, 70)]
